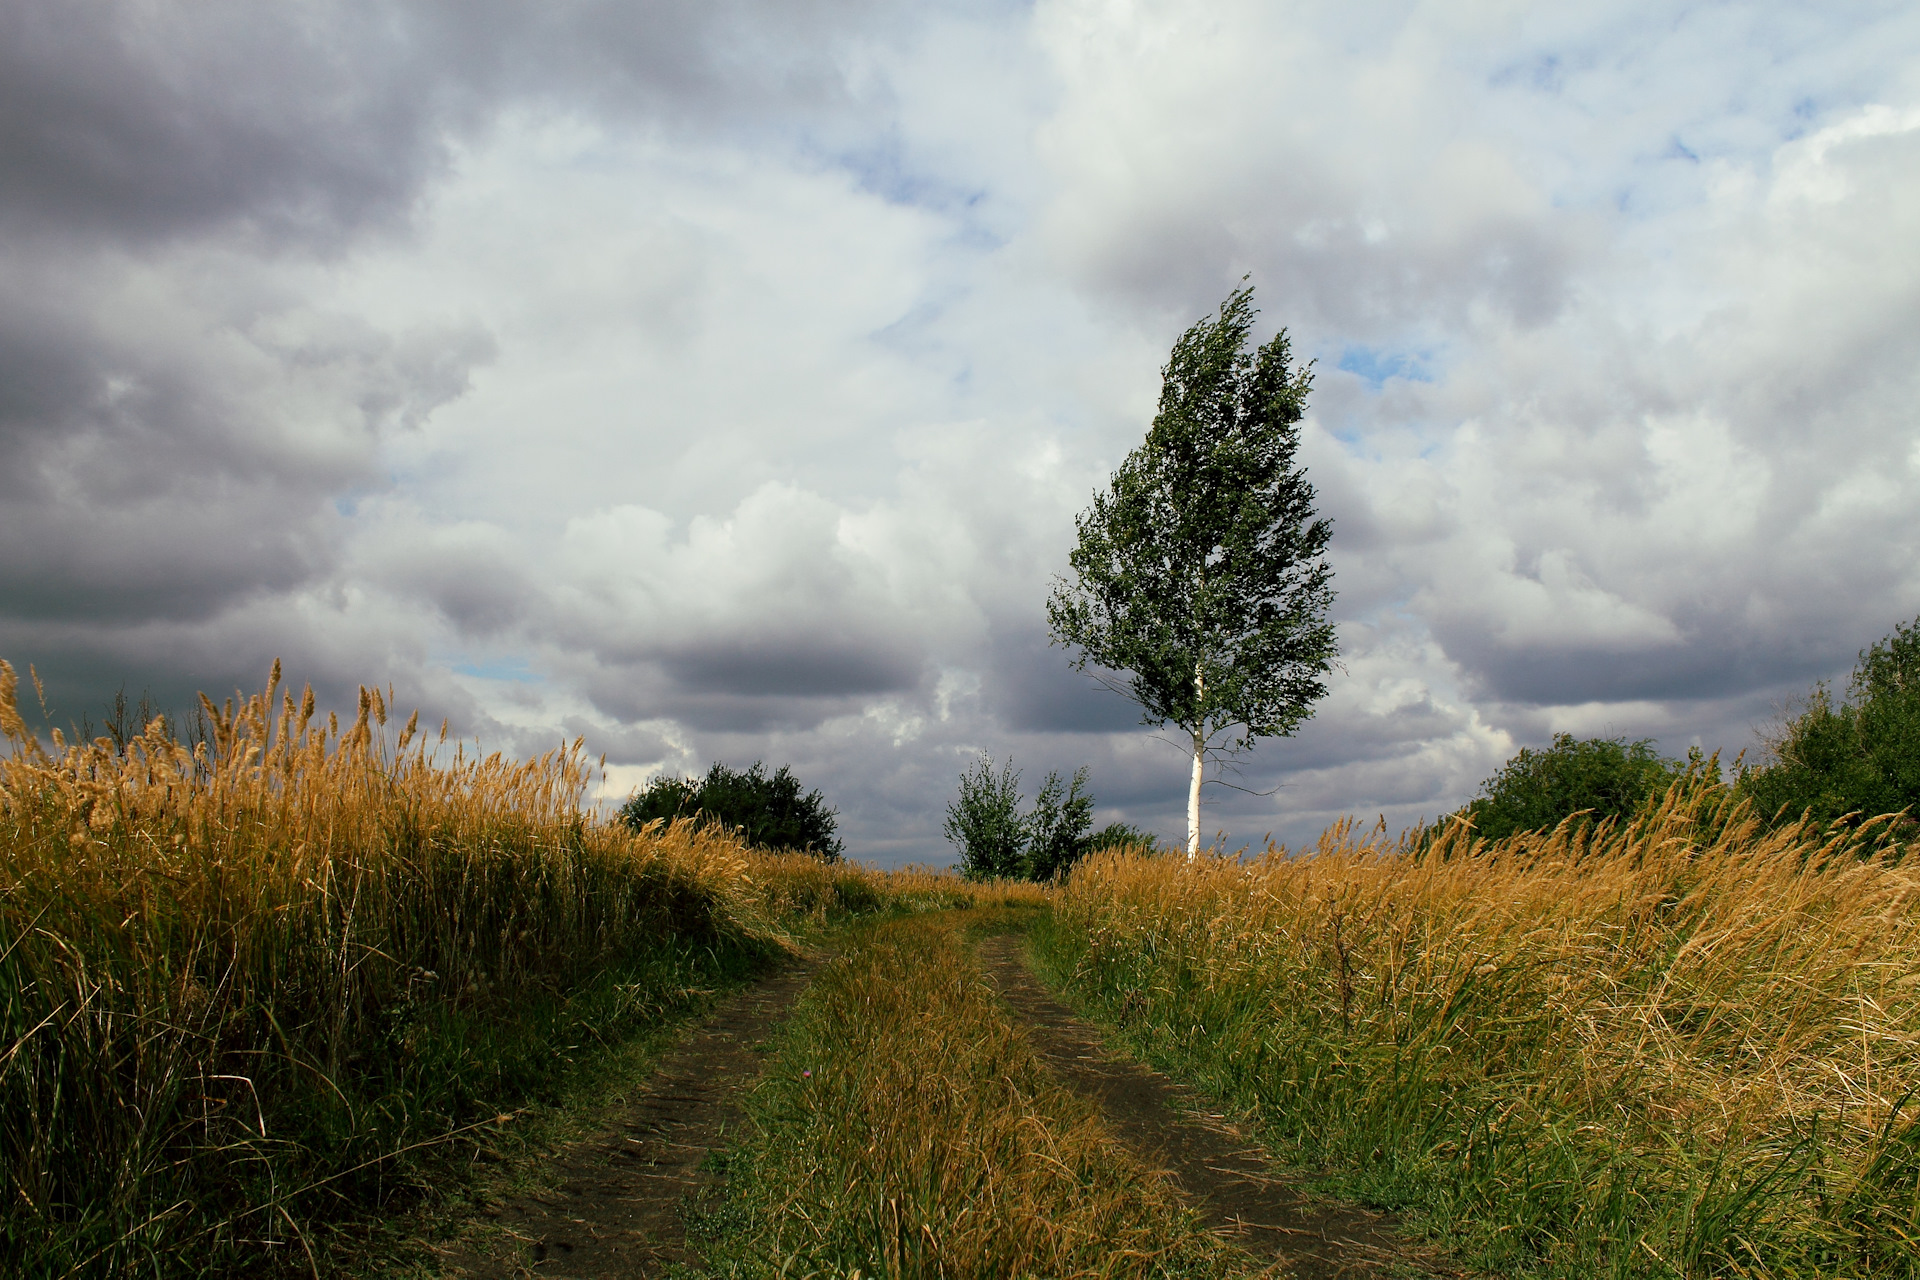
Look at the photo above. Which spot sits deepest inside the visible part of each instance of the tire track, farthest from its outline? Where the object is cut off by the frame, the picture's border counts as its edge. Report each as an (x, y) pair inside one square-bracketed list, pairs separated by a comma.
[(1222, 1170), (614, 1206)]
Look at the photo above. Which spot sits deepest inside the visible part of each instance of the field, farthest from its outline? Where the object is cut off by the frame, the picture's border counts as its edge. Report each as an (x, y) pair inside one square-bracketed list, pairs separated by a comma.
[(1682, 1047), (263, 999), (255, 993)]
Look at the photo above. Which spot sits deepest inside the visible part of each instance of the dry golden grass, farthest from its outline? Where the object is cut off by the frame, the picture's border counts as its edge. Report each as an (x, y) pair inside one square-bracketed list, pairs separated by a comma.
[(906, 1130), (244, 988), (1682, 1046)]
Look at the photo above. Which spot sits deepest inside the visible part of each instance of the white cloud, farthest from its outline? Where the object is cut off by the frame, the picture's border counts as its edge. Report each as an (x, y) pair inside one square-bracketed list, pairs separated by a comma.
[(721, 397)]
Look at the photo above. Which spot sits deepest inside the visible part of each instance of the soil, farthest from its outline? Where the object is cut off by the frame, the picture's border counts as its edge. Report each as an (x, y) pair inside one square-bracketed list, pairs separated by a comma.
[(1217, 1165), (614, 1203)]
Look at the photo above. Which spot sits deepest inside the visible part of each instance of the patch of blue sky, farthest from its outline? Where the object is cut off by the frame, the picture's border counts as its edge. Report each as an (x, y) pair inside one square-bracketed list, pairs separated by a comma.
[(1678, 150), (1377, 365), (883, 169), (1541, 72), (505, 670)]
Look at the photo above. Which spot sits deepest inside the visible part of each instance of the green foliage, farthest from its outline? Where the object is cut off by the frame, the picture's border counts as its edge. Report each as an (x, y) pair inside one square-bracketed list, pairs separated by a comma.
[(1607, 777), (1858, 757), (1058, 826), (1201, 571), (998, 842), (984, 822), (769, 811), (1123, 835)]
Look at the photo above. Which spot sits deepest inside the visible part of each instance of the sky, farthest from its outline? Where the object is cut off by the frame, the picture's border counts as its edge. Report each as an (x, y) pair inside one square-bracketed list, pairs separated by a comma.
[(720, 379)]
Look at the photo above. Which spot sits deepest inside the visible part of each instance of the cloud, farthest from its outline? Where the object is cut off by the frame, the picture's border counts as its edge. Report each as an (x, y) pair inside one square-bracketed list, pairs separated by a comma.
[(311, 126), (719, 381)]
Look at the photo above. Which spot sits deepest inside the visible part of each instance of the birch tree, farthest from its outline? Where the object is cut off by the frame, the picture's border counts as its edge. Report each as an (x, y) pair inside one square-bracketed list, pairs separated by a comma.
[(1199, 577)]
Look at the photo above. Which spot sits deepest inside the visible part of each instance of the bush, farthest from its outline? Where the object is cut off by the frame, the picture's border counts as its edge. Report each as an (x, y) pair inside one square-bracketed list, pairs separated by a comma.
[(1057, 828), (1123, 835), (984, 823), (998, 842), (1607, 777), (767, 811), (1860, 757)]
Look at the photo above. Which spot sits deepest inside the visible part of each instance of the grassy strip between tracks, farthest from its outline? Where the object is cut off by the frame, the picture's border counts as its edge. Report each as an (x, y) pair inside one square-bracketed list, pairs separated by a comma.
[(905, 1128)]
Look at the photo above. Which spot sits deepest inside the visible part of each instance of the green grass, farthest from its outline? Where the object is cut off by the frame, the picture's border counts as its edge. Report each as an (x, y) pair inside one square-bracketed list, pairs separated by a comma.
[(1625, 1052), (257, 998), (904, 1128)]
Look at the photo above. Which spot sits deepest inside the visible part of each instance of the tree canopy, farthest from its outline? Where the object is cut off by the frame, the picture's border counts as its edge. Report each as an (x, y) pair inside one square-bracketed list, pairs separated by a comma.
[(770, 811), (1856, 756), (1200, 572), (1604, 777)]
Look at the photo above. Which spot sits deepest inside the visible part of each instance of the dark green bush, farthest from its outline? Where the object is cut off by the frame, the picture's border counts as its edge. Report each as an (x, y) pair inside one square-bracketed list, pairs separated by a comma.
[(1860, 756), (1057, 828), (1606, 777), (984, 822), (997, 841), (1122, 835), (769, 811)]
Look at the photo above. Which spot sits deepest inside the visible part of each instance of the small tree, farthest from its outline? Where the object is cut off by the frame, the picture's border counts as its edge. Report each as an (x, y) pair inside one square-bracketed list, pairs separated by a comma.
[(1860, 755), (1058, 826), (997, 841), (984, 822), (1200, 572), (768, 810), (1603, 777)]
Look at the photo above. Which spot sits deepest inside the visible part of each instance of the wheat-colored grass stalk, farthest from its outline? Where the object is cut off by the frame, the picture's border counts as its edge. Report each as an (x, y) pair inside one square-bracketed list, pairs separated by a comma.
[(1684, 1044), (907, 1129), (241, 983)]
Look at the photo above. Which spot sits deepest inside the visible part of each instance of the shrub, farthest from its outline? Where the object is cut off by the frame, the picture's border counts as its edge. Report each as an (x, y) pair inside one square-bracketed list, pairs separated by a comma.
[(1123, 836), (766, 811), (984, 822), (1057, 828), (997, 841), (1607, 777), (1858, 757)]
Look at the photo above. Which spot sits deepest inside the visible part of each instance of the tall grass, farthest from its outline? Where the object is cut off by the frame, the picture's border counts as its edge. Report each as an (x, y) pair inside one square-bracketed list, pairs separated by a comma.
[(246, 987), (1683, 1046), (906, 1129)]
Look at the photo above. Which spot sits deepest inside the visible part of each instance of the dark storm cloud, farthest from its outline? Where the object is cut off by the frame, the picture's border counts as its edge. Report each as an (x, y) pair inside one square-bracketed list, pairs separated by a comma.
[(1571, 673), (306, 125), (1031, 688), (617, 743), (172, 662), (791, 666), (133, 121), (181, 433), (646, 691), (160, 462)]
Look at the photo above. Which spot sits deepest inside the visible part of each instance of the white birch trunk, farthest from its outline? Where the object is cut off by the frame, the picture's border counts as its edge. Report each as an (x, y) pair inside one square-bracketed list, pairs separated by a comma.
[(1199, 767), (1193, 799)]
